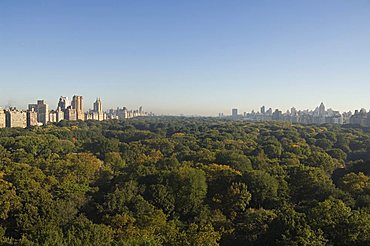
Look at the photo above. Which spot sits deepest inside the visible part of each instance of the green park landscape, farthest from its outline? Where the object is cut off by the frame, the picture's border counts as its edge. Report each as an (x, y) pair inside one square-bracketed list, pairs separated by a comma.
[(185, 181)]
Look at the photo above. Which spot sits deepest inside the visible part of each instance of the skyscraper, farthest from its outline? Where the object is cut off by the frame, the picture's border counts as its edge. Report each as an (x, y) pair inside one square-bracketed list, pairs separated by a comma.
[(293, 111), (97, 113), (77, 104), (63, 103), (98, 106), (263, 110), (42, 110), (322, 110), (234, 114)]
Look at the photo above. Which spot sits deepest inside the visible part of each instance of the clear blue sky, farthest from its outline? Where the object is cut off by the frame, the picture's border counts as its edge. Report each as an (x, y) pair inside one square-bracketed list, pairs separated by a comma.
[(191, 57)]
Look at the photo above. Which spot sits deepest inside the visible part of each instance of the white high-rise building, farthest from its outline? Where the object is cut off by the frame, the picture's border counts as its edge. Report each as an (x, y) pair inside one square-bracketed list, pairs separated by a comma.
[(97, 113), (322, 109)]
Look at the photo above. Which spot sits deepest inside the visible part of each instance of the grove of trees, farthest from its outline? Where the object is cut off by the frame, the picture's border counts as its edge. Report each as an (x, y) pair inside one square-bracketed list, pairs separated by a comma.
[(184, 181)]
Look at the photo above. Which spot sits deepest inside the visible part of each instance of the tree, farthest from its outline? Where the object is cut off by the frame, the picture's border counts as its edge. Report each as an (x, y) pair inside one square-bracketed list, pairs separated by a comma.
[(263, 187), (237, 199), (198, 235), (235, 160), (341, 225), (273, 150), (115, 160), (251, 227), (84, 232), (9, 201), (190, 188), (308, 184), (322, 160), (355, 183), (291, 228), (331, 216)]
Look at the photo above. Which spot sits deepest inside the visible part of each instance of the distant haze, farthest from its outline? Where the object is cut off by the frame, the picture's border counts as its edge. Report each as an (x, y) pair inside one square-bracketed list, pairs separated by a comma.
[(193, 57)]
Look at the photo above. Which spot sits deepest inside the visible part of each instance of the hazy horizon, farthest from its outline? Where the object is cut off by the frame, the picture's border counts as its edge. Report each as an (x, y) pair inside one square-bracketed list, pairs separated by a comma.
[(187, 57)]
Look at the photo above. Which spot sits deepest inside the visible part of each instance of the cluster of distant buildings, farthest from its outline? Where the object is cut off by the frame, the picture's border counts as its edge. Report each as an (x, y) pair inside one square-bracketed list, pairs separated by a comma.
[(320, 115), (72, 110)]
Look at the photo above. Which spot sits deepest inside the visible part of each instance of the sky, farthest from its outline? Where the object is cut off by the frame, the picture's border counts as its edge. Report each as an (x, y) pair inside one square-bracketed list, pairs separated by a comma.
[(193, 57)]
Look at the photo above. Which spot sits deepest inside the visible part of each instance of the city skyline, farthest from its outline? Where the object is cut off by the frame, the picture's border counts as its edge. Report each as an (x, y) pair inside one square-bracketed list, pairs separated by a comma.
[(320, 115), (187, 57), (242, 109), (40, 114), (95, 104), (63, 102)]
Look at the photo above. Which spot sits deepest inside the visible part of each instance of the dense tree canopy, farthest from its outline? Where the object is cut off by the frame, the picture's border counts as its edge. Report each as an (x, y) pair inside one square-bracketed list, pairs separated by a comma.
[(184, 181)]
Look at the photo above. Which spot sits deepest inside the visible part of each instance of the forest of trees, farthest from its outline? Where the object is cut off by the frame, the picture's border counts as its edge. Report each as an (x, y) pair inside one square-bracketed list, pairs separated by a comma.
[(184, 181)]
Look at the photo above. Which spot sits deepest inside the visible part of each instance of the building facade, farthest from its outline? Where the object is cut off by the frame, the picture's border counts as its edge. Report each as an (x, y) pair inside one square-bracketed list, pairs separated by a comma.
[(70, 114), (15, 118), (97, 113), (42, 110), (2, 118), (64, 103), (32, 118), (77, 104)]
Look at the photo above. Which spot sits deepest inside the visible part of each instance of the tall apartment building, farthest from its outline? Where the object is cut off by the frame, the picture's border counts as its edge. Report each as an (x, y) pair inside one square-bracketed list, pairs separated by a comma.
[(32, 118), (322, 110), (60, 114), (70, 114), (98, 105), (98, 110), (263, 110), (122, 113), (2, 118), (15, 118), (234, 113), (32, 107), (64, 103), (42, 110), (77, 104), (56, 115), (53, 116)]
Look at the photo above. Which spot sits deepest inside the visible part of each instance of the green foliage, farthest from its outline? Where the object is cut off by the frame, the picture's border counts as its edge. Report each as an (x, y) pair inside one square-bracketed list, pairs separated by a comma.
[(251, 227), (263, 186), (234, 159), (308, 184), (355, 183), (184, 181), (190, 188), (291, 228)]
